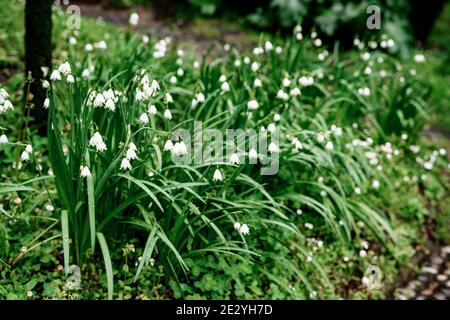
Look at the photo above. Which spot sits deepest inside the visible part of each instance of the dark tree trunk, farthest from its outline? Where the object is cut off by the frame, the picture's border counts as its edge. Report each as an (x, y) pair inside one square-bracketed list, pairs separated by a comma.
[(423, 15), (38, 53)]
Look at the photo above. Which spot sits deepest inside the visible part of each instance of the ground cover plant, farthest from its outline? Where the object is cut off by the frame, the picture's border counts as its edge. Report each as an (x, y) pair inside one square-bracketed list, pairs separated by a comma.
[(112, 202)]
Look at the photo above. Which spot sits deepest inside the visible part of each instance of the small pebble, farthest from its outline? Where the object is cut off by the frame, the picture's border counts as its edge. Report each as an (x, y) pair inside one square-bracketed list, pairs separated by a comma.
[(429, 270), (439, 296), (420, 298), (441, 277), (437, 260)]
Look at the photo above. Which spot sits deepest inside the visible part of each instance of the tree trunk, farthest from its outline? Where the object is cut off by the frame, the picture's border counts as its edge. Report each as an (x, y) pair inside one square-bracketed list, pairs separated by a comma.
[(38, 53)]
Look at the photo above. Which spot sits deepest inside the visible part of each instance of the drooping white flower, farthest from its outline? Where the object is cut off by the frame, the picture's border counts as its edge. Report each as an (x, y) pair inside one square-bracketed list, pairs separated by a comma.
[(152, 110), (168, 114), (255, 66), (99, 100), (97, 142), (70, 79), (236, 226), (297, 144), (194, 103), (252, 154), (168, 146), (134, 19), (65, 68), (268, 46), (225, 87), (29, 148), (419, 58), (257, 83), (364, 91), (329, 145), (286, 82), (3, 139), (306, 81), (200, 97), (85, 172), (273, 148), (25, 156), (222, 78), (276, 117), (55, 76), (110, 105), (252, 104), (179, 149), (46, 103), (271, 127), (234, 159), (169, 98), (131, 154), (125, 164), (282, 95), (244, 229), (132, 146), (144, 118), (217, 175), (358, 190), (173, 80), (375, 184)]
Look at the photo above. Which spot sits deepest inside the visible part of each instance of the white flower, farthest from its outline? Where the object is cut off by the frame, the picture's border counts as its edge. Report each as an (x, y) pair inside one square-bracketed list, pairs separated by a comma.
[(110, 105), (252, 154), (29, 148), (179, 149), (86, 73), (99, 100), (297, 144), (237, 226), (85, 172), (65, 69), (144, 118), (244, 229), (3, 139), (25, 156), (273, 148), (46, 103), (200, 97), (237, 63), (196, 64), (70, 79), (375, 184), (217, 175), (362, 253), (276, 117), (168, 145), (295, 92), (167, 114), (257, 83), (255, 66), (271, 127), (223, 78), (306, 81), (252, 104), (225, 87), (329, 145), (282, 95), (358, 190), (278, 50), (97, 142), (173, 80), (194, 103), (134, 19), (154, 86), (152, 110), (125, 164), (364, 91), (169, 98), (131, 154), (49, 207), (55, 76), (286, 82), (234, 159), (268, 46), (101, 45), (132, 146), (419, 58), (428, 165)]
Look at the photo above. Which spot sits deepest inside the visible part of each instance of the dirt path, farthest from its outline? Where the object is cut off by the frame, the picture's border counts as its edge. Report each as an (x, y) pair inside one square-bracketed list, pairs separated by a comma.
[(198, 33)]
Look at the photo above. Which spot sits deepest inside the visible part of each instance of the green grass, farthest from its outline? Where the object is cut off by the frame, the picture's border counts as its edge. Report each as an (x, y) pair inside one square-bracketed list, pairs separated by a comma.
[(167, 230)]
